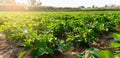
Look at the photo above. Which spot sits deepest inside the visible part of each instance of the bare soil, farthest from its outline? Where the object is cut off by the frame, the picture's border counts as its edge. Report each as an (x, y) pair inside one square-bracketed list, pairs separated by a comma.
[(8, 49)]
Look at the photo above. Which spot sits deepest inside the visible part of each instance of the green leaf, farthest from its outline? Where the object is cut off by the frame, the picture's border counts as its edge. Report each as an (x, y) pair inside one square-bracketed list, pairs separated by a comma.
[(117, 56), (115, 45), (116, 36), (41, 45), (69, 39), (21, 54), (95, 54), (101, 26), (60, 47), (67, 47), (50, 50), (105, 54), (41, 52)]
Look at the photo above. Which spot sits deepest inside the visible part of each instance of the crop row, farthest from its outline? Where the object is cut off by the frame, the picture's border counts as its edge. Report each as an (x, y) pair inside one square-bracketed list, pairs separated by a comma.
[(46, 33)]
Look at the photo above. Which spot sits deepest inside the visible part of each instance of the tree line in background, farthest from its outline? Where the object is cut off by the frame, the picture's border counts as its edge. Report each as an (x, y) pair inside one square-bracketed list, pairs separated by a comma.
[(35, 5), (49, 8)]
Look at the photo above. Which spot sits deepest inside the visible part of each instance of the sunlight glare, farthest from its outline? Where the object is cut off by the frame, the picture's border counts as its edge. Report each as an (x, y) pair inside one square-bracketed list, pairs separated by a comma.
[(21, 1)]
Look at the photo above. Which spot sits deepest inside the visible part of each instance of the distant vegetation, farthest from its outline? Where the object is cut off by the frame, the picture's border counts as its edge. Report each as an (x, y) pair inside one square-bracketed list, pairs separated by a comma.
[(35, 5), (50, 8)]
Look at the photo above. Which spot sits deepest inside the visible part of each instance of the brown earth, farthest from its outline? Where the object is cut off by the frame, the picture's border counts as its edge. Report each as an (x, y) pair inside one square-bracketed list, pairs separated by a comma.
[(8, 49)]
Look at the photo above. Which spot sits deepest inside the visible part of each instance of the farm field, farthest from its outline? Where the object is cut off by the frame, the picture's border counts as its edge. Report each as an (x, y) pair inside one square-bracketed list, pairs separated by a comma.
[(90, 34)]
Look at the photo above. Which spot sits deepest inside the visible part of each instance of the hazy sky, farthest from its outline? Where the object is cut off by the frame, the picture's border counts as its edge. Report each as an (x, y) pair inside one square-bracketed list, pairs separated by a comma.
[(76, 3)]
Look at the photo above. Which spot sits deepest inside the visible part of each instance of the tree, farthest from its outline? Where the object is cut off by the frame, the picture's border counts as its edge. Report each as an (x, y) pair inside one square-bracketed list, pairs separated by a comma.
[(93, 6), (106, 6), (32, 2), (113, 5), (81, 6), (39, 3)]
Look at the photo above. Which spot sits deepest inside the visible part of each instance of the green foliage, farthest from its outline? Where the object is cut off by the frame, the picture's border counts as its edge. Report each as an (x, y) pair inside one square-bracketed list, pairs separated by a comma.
[(45, 33), (117, 43), (96, 53), (116, 36), (21, 54), (106, 54)]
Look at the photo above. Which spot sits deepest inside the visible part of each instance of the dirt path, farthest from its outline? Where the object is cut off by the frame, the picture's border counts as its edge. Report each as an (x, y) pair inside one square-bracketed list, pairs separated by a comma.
[(8, 48)]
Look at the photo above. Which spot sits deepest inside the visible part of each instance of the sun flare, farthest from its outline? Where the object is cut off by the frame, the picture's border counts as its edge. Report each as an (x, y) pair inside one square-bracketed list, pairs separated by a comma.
[(21, 1)]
